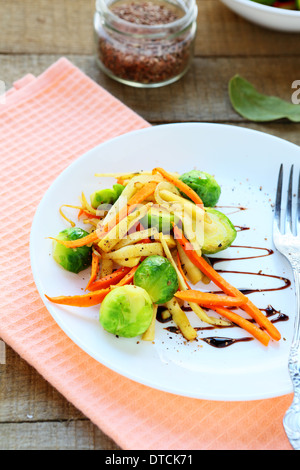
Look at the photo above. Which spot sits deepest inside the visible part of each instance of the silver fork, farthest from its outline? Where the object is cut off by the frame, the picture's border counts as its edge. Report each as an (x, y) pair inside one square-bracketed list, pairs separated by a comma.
[(286, 237)]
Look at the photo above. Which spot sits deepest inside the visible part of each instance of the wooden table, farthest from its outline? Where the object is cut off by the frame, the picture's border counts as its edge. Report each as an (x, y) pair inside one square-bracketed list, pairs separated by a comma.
[(34, 34)]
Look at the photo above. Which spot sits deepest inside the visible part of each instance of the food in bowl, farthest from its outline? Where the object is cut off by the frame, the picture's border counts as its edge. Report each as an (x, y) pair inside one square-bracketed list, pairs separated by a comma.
[(285, 4)]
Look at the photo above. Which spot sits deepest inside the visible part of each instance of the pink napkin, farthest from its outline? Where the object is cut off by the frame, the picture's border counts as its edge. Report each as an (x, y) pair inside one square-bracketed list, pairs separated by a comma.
[(46, 123)]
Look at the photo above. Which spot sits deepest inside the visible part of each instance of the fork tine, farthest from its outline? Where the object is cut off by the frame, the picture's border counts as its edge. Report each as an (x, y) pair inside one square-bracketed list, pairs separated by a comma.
[(289, 207), (298, 208), (277, 215)]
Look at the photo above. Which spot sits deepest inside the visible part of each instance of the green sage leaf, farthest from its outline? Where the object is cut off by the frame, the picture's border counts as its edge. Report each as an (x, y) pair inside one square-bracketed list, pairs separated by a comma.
[(255, 106)]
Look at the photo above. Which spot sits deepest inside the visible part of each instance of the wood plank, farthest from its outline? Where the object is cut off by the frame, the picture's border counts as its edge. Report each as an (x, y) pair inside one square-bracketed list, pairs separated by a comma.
[(26, 396), (43, 26), (69, 435), (66, 27), (34, 415), (223, 33), (199, 96)]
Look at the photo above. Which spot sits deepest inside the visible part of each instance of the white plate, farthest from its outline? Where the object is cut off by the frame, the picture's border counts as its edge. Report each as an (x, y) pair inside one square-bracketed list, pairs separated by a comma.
[(246, 164), (266, 16)]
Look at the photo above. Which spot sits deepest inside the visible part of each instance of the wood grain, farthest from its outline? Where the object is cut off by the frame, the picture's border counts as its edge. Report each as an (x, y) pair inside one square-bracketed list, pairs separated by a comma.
[(202, 95), (66, 27), (67, 435), (33, 35), (33, 415)]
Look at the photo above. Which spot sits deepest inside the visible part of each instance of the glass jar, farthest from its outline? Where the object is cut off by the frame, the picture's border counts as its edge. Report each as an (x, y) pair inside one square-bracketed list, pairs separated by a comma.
[(145, 43)]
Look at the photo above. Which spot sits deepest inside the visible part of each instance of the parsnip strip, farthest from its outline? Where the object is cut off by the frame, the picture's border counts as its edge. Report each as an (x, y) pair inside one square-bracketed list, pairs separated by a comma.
[(106, 267), (149, 334), (129, 263), (122, 201), (87, 206), (136, 237), (206, 318), (193, 272), (168, 239), (191, 215), (65, 217), (120, 230), (168, 254), (130, 189), (133, 251), (182, 285), (166, 315), (181, 320)]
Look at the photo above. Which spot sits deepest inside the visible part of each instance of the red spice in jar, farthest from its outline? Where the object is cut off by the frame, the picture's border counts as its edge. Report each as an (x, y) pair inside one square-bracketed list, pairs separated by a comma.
[(147, 60), (146, 13)]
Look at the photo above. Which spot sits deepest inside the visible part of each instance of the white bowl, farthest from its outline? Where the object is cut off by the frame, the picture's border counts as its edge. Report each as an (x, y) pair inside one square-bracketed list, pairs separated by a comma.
[(269, 17)]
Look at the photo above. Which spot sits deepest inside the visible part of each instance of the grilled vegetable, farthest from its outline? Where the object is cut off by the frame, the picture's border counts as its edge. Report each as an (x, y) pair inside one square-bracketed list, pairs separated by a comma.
[(158, 277), (72, 259), (219, 234), (106, 196), (126, 311), (204, 185)]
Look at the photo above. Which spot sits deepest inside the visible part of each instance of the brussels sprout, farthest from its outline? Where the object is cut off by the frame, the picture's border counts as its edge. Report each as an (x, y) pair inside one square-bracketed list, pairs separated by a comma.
[(161, 220), (218, 235), (72, 259), (158, 277), (204, 185), (126, 311), (106, 196)]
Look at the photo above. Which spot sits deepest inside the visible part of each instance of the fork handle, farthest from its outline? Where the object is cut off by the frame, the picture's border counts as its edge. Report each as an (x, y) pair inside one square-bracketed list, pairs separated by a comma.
[(292, 417)]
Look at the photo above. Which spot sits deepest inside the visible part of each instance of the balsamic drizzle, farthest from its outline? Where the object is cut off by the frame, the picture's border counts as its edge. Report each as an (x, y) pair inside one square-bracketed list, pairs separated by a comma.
[(268, 252), (241, 228), (221, 342)]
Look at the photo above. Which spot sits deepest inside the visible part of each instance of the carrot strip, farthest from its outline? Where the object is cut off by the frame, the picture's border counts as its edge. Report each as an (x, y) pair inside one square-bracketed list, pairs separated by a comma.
[(94, 297), (203, 298), (133, 202), (88, 214), (243, 323), (94, 270), (204, 266), (180, 185), (109, 280), (88, 240), (143, 193), (263, 321), (85, 300), (209, 271), (128, 277)]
